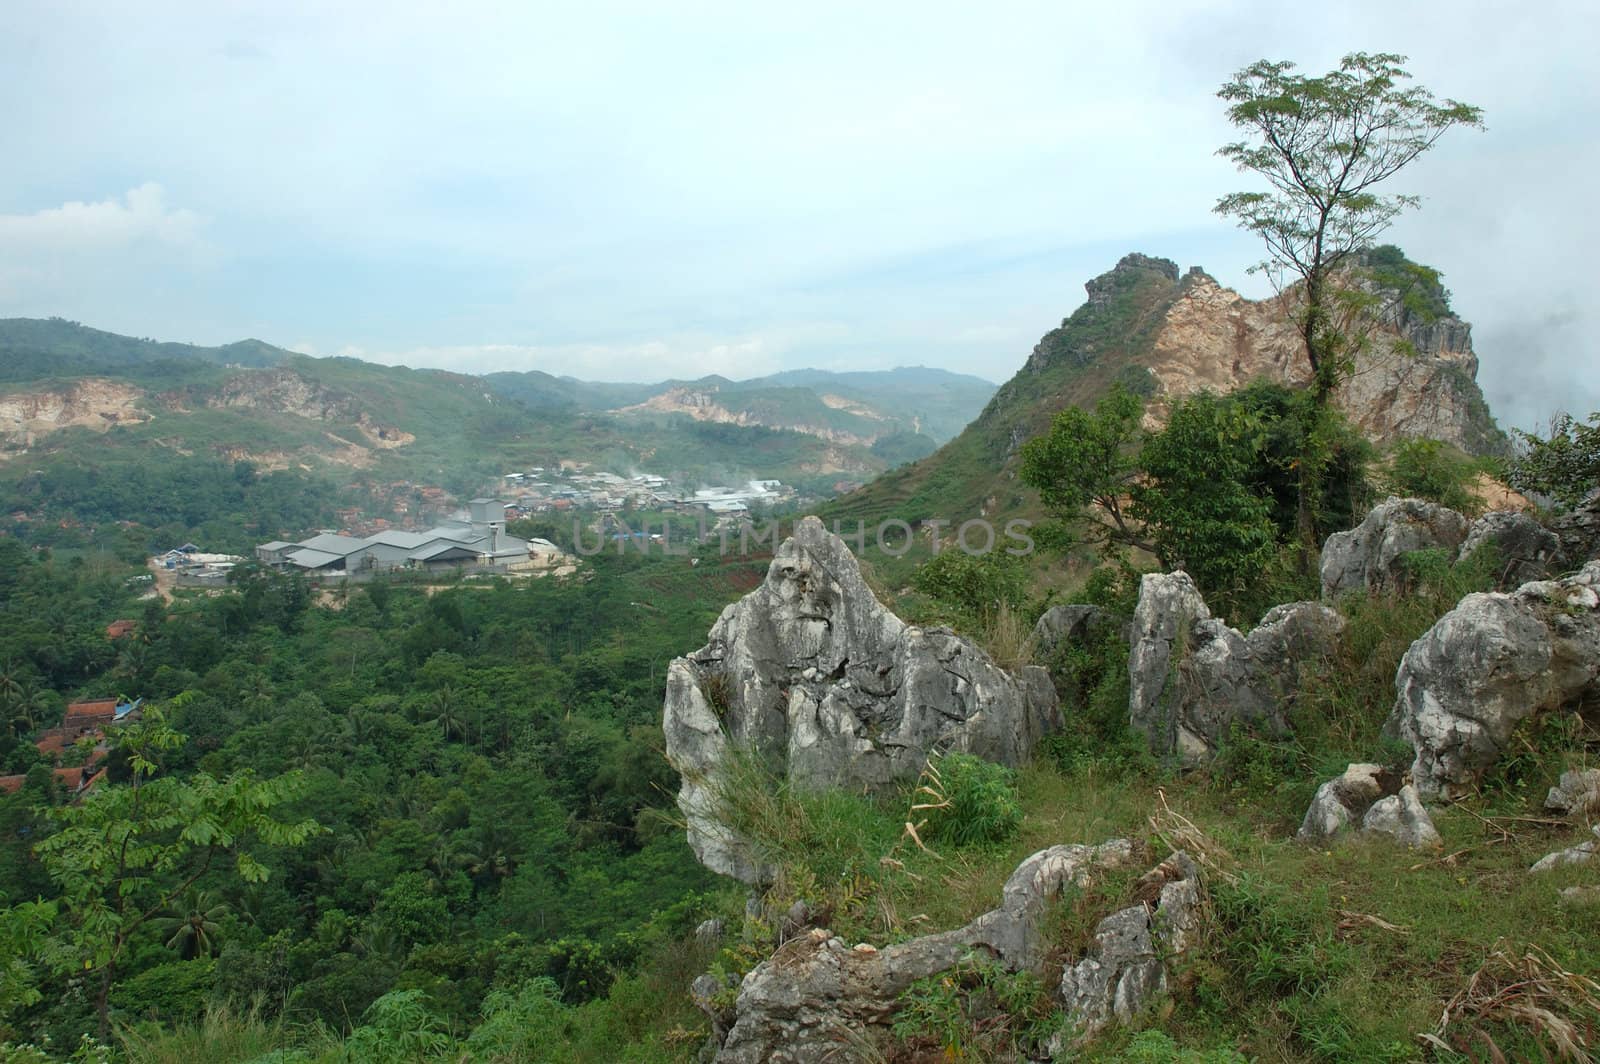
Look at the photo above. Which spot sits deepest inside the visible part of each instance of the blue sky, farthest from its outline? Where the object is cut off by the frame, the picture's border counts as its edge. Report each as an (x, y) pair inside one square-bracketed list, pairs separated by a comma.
[(627, 191)]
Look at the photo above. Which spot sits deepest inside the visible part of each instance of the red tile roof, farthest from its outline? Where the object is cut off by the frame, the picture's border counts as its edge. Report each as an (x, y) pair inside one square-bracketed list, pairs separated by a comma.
[(118, 629), (102, 707)]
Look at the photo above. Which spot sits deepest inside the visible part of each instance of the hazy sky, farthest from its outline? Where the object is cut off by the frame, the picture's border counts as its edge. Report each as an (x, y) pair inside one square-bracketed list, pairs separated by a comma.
[(630, 191)]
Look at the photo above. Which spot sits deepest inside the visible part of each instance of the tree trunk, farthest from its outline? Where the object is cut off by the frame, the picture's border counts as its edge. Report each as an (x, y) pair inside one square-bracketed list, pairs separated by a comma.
[(102, 1002)]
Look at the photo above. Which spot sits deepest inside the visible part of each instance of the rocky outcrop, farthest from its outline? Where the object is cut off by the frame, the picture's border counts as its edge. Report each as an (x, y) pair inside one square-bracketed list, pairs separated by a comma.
[(1577, 793), (1191, 677), (1489, 664), (1402, 818), (1375, 798), (813, 677), (1128, 962), (1371, 556), (1582, 853), (91, 403), (1579, 530), (1414, 379), (818, 998), (1524, 549)]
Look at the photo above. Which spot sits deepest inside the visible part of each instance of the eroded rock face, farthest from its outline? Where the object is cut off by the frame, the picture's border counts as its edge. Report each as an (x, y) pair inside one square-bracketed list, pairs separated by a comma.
[(816, 678), (1579, 530), (1191, 676), (1489, 664), (1127, 964), (1526, 550), (1370, 556), (819, 999)]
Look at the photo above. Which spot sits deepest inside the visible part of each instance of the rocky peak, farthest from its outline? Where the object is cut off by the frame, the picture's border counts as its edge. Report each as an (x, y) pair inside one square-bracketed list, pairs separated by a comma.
[(1101, 289)]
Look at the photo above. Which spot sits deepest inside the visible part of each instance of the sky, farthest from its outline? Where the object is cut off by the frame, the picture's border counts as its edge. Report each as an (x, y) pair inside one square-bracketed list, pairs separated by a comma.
[(640, 191)]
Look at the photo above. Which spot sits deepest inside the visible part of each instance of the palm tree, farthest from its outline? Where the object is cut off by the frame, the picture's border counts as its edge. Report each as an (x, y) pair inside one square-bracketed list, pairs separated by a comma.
[(446, 712), (193, 924)]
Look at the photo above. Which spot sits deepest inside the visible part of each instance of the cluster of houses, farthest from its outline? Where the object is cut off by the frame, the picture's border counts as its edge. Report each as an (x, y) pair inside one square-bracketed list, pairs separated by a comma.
[(83, 721), (540, 490), (475, 538)]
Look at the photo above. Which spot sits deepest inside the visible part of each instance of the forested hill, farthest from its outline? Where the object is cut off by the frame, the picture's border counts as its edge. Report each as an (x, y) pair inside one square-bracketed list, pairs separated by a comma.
[(39, 348)]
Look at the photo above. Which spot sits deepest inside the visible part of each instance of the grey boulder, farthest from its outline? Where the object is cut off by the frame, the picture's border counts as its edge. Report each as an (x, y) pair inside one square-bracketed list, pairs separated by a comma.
[(1525, 549), (1370, 557), (1577, 793), (1489, 664), (1191, 677), (811, 676), (1582, 853), (1402, 818), (1375, 798)]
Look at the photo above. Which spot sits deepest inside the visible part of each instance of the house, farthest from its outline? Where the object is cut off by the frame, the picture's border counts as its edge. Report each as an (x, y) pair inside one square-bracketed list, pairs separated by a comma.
[(120, 629), (89, 714), (75, 780)]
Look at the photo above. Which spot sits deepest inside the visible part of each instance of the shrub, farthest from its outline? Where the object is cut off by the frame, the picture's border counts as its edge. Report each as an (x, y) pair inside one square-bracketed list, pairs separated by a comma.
[(968, 801), (1564, 465), (1429, 469)]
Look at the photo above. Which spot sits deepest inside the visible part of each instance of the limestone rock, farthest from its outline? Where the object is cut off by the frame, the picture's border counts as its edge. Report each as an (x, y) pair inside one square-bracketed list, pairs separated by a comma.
[(1489, 664), (1577, 793), (816, 997), (813, 676), (1579, 530), (1526, 549), (1582, 853), (1073, 625), (1369, 557), (1126, 966), (1341, 800), (1191, 676), (1402, 817)]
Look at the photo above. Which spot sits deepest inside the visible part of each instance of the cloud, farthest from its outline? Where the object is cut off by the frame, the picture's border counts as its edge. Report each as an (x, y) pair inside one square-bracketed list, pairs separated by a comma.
[(140, 215)]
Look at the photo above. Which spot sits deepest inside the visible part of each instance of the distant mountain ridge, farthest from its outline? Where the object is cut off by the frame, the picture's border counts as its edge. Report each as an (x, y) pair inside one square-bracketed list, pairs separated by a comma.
[(76, 395)]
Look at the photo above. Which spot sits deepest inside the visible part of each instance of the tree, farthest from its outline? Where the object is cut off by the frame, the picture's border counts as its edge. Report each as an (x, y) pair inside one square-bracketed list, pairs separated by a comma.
[(1087, 466), (1564, 465), (1323, 145), (192, 925), (1197, 494), (124, 854)]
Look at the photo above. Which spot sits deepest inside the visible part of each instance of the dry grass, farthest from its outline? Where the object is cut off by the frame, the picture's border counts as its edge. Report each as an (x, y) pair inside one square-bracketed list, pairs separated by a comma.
[(1529, 990)]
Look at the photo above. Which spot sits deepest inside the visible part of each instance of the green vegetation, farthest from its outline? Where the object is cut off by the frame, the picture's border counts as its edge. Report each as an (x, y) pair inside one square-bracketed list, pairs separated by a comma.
[(1565, 465), (484, 761), (1323, 145), (1213, 492), (1429, 469)]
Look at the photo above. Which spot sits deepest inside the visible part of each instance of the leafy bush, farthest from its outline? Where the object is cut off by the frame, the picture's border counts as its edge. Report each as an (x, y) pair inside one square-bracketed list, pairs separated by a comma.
[(973, 586), (1564, 465), (1432, 470), (969, 801)]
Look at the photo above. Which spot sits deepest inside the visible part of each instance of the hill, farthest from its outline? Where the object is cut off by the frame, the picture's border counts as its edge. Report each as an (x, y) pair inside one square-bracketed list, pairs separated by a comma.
[(857, 408), (1164, 336), (115, 428)]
